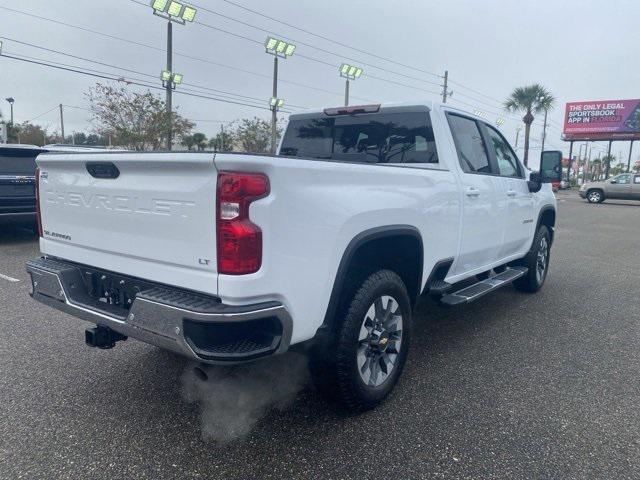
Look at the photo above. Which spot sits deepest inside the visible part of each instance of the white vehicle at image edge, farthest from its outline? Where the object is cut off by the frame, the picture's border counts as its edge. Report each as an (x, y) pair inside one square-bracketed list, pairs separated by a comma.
[(325, 247)]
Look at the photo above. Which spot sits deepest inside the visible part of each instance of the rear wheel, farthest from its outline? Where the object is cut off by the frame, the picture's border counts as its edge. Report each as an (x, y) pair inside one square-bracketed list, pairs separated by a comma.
[(595, 196), (537, 261), (361, 364)]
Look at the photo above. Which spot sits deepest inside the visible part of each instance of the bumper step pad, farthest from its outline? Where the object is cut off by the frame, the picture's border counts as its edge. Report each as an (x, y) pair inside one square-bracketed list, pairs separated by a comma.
[(482, 288)]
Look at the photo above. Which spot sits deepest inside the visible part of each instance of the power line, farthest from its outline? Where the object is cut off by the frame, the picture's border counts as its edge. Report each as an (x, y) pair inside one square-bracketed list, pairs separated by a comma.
[(299, 42), (312, 59), (202, 87), (107, 76), (177, 53), (42, 114), (328, 39)]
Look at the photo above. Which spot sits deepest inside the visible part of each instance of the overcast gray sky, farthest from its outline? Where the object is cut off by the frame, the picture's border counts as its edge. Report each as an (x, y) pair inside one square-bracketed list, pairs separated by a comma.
[(579, 49)]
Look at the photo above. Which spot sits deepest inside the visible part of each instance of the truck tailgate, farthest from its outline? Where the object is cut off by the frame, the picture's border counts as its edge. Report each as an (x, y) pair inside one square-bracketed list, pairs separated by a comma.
[(155, 220)]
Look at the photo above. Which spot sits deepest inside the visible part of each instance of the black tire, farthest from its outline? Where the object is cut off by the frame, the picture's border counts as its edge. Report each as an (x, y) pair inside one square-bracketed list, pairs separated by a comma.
[(533, 280), (595, 196), (334, 363)]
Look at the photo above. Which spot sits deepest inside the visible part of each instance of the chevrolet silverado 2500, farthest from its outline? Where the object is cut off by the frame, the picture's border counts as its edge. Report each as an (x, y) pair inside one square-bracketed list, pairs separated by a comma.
[(230, 257)]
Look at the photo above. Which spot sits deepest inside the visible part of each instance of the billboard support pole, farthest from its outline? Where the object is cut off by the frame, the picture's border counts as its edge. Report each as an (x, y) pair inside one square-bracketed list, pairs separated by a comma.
[(570, 161), (606, 172), (629, 161)]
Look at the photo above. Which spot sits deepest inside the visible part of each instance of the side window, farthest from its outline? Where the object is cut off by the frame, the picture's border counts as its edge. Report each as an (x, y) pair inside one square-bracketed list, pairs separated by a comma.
[(623, 179), (636, 179), (469, 145), (508, 165)]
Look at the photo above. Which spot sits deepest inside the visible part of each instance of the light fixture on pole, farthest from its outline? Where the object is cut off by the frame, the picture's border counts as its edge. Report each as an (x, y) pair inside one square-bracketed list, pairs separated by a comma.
[(173, 12), (276, 103), (170, 79), (350, 72), (279, 49), (11, 100)]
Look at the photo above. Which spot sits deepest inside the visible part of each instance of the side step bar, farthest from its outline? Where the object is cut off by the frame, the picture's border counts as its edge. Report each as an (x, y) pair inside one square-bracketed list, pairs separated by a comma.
[(480, 289)]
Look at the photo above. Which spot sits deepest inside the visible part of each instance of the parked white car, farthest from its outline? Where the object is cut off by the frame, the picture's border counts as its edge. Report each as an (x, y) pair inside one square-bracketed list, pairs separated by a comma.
[(232, 257)]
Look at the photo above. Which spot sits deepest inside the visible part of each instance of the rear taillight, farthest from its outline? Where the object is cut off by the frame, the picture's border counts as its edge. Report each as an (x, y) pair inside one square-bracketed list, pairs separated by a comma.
[(38, 214), (239, 240)]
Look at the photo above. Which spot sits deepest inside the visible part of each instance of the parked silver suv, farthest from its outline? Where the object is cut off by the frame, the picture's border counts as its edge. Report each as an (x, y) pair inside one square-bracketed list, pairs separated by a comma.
[(625, 186)]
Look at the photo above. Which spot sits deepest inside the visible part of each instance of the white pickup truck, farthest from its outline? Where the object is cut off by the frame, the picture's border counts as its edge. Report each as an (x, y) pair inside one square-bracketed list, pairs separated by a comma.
[(228, 257)]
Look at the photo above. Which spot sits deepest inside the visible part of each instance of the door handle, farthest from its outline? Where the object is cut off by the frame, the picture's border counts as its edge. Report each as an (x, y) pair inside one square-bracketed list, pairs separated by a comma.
[(472, 192), (511, 193)]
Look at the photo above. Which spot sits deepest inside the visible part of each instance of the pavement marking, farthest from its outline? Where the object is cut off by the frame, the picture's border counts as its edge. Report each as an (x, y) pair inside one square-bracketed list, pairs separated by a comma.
[(8, 278)]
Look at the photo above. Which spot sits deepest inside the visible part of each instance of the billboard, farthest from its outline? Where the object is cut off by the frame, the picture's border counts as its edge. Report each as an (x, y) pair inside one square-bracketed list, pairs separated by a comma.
[(602, 120)]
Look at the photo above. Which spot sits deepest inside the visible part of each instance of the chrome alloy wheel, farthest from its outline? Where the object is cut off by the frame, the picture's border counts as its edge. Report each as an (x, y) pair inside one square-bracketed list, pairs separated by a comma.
[(594, 197), (542, 260), (379, 341)]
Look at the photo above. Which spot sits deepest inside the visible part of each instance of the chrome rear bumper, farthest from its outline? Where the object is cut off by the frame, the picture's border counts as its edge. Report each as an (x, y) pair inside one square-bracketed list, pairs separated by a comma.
[(197, 326)]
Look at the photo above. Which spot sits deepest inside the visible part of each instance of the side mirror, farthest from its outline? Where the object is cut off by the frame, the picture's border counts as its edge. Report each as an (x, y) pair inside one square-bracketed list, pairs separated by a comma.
[(614, 181), (551, 166)]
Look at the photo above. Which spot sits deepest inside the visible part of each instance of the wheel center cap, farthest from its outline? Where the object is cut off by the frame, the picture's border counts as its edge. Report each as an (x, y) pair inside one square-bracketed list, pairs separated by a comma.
[(379, 340)]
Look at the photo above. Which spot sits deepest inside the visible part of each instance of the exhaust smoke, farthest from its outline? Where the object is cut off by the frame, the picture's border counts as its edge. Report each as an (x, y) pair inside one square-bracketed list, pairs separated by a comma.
[(233, 399)]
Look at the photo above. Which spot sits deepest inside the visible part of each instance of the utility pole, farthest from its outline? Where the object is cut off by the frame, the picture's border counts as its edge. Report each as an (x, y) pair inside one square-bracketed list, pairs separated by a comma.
[(608, 165), (169, 86), (222, 138), (445, 87), (570, 161), (544, 135), (274, 111), (62, 123), (629, 161)]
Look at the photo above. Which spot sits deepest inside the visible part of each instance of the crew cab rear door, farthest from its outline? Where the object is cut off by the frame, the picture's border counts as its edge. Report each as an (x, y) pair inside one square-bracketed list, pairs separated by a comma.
[(512, 188), (482, 218)]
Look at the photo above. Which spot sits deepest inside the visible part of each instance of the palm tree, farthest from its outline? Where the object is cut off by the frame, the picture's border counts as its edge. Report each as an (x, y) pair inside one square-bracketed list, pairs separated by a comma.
[(607, 160), (530, 99)]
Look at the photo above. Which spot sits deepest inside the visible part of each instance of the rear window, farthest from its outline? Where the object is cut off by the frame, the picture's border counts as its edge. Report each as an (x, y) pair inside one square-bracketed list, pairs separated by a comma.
[(372, 138), (18, 162)]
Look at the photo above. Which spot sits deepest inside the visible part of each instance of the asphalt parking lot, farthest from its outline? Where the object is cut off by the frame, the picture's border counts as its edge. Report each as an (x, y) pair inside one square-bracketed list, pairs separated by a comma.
[(513, 386)]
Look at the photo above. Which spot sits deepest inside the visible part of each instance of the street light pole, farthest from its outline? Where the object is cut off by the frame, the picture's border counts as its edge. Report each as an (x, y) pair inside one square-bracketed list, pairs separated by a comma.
[(62, 122), (11, 100), (544, 131), (169, 87), (172, 11), (279, 49), (274, 110), (349, 73), (346, 93)]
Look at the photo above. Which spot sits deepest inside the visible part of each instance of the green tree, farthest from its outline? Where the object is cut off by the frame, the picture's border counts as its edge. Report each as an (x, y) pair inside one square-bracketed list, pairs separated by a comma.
[(137, 121), (199, 141), (188, 141), (532, 99), (254, 135), (222, 142)]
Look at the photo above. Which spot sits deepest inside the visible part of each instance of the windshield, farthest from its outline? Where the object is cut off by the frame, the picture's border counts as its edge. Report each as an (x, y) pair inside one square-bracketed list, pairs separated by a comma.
[(18, 162), (372, 138)]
